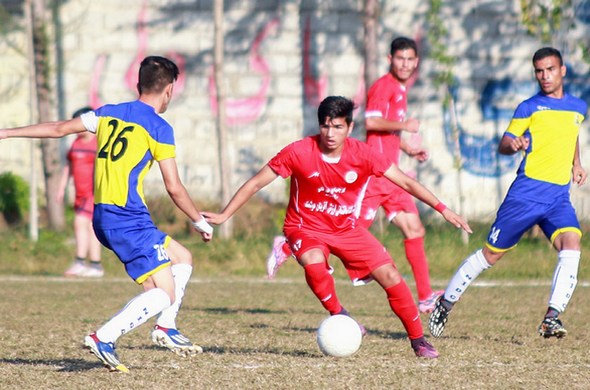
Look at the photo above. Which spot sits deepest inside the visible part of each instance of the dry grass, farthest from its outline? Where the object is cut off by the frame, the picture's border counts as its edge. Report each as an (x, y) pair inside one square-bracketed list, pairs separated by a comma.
[(259, 334)]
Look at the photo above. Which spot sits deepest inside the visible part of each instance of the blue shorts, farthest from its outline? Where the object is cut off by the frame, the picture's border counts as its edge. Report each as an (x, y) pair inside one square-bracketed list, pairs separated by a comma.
[(142, 251), (517, 215)]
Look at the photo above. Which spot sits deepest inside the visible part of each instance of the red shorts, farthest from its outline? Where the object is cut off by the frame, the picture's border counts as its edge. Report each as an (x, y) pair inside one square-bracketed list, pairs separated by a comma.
[(360, 252), (84, 205), (393, 199)]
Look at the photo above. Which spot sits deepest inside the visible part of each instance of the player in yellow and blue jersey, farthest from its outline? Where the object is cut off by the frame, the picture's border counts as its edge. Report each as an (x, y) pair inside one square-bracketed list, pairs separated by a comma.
[(131, 136), (545, 129)]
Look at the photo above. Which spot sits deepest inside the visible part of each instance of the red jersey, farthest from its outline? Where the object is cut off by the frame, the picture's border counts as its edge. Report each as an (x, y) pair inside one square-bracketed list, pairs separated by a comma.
[(81, 158), (325, 193), (387, 98)]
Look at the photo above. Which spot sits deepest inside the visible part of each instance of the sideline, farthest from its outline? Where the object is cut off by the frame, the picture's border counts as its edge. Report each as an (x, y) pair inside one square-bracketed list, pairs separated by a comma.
[(263, 280)]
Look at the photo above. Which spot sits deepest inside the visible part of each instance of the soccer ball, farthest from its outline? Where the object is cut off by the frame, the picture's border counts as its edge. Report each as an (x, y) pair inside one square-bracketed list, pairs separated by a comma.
[(339, 336)]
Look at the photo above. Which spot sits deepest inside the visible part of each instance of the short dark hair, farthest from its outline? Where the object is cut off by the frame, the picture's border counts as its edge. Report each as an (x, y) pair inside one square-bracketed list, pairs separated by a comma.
[(155, 73), (335, 107), (403, 43), (81, 111), (547, 52)]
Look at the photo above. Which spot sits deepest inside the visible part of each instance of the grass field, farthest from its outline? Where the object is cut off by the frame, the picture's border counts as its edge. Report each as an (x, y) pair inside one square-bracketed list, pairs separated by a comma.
[(260, 334)]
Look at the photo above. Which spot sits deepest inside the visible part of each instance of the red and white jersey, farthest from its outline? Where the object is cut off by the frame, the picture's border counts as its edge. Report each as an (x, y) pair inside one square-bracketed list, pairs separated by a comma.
[(325, 193), (81, 158), (387, 98)]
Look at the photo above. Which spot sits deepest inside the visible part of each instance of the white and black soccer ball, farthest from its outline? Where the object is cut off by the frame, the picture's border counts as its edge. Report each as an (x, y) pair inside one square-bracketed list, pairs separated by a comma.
[(339, 336)]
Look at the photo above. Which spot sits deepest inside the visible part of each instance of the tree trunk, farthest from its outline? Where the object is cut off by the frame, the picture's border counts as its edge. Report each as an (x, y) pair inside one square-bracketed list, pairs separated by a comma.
[(226, 229), (370, 41), (50, 148)]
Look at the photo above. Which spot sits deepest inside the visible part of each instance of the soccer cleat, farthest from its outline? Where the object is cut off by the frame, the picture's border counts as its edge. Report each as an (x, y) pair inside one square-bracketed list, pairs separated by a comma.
[(426, 306), (552, 327), (276, 257), (425, 350), (105, 352), (175, 341), (438, 319), (76, 269), (91, 272)]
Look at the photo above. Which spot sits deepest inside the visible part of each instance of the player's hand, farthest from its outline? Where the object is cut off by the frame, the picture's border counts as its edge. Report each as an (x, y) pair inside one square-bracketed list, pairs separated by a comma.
[(411, 125), (579, 175), (520, 143), (214, 218), (456, 220), (419, 154), (204, 229)]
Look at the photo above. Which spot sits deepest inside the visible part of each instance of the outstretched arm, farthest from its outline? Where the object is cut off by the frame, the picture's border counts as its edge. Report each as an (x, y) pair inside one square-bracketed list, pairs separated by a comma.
[(177, 192), (263, 178), (45, 130), (413, 187)]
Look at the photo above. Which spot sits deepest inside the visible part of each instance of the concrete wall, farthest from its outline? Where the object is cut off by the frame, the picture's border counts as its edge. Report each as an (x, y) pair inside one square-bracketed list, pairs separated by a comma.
[(282, 57)]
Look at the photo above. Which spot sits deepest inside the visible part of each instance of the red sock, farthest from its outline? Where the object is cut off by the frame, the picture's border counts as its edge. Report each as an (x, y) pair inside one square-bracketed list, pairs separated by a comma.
[(322, 284), (403, 305), (417, 258)]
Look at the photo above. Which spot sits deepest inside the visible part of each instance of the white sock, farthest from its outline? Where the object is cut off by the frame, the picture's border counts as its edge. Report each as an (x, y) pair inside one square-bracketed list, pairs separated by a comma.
[(182, 274), (136, 312), (470, 269), (565, 279)]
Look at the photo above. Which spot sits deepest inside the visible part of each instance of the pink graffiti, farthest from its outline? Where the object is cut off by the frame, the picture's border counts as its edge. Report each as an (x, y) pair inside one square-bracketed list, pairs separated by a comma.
[(246, 110), (93, 95), (131, 76)]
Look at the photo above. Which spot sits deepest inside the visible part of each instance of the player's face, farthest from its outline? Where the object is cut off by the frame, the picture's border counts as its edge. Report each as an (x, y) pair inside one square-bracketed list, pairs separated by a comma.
[(403, 63), (549, 74), (333, 133)]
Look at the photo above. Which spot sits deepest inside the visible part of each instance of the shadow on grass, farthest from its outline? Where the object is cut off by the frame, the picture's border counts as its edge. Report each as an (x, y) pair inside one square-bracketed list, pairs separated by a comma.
[(62, 365)]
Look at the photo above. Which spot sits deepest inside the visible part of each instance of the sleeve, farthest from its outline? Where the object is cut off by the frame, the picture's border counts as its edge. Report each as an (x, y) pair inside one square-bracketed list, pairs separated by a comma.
[(377, 101), (164, 147), (282, 163), (520, 121)]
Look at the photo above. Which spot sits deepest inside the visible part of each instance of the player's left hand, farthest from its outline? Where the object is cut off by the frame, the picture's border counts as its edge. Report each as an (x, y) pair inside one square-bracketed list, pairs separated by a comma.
[(579, 175), (214, 218), (456, 220), (419, 154)]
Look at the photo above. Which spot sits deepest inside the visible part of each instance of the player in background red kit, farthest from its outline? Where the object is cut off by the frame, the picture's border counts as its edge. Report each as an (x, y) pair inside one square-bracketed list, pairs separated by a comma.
[(385, 119), (80, 167), (329, 175)]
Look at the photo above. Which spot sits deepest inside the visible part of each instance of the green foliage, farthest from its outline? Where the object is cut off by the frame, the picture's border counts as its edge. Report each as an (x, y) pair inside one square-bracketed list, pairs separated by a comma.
[(438, 40), (14, 197), (543, 18)]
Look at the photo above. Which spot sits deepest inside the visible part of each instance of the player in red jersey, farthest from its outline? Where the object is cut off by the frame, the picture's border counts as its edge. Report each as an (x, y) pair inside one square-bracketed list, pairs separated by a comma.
[(385, 119), (80, 167), (329, 175)]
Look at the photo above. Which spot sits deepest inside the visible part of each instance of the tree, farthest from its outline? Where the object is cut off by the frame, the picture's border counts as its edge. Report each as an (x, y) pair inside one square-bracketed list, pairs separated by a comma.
[(41, 77)]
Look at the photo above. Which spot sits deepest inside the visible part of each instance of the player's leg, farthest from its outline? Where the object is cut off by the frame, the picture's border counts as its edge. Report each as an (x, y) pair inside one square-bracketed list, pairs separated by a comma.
[(413, 230), (79, 266), (370, 258), (562, 227), (514, 218), (402, 304), (146, 263), (165, 332), (94, 268), (312, 254)]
